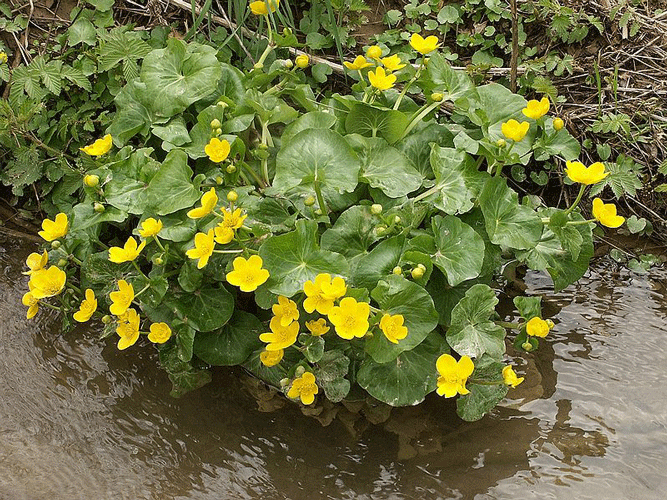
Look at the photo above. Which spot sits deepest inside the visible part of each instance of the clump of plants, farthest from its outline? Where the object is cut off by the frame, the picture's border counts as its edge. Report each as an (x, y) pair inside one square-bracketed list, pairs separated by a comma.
[(336, 248)]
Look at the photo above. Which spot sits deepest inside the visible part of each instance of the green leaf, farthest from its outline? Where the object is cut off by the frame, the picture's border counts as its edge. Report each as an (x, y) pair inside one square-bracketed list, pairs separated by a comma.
[(459, 250), (185, 337), (370, 121), (387, 169), (118, 46), (205, 310), (134, 114), (529, 307), (406, 380), (556, 143), (190, 278), (453, 83), (397, 295), (101, 5), (451, 195), (85, 217), (313, 347), (233, 344), (507, 222), (172, 188), (97, 269), (417, 146), (471, 332), (174, 132), (482, 398), (320, 72), (294, 258), (177, 227), (368, 269), (312, 120), (126, 194), (330, 372), (317, 155), (353, 233), (81, 31), (179, 75)]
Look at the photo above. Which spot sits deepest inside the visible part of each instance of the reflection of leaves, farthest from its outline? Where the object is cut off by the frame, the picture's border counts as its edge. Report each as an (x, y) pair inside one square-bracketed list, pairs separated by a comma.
[(482, 398), (184, 377)]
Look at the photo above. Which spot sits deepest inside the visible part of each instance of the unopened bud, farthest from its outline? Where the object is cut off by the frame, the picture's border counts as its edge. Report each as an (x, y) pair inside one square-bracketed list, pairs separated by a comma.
[(398, 270), (99, 208), (437, 96), (310, 201), (417, 273), (218, 180), (397, 219), (91, 181), (230, 169), (222, 104), (217, 131), (558, 123), (501, 143), (261, 145), (318, 211), (258, 65), (527, 346), (106, 319), (300, 370), (158, 261), (62, 263), (289, 64), (549, 323), (302, 61), (284, 382), (380, 230), (55, 245), (232, 196), (215, 123), (376, 209)]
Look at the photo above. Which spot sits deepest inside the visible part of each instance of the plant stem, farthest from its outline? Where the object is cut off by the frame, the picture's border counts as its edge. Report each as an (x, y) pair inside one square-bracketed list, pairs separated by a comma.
[(419, 116), (506, 324), (407, 86), (576, 202), (320, 199)]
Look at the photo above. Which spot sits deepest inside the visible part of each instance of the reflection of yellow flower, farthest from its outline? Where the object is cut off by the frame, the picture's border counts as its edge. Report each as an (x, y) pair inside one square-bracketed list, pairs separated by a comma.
[(305, 388), (302, 61), (514, 130), (536, 109), (128, 253), (381, 80), (605, 213), (32, 304), (160, 333), (47, 282), (350, 318), (204, 245), (374, 52), (208, 202), (121, 299), (128, 329), (318, 327), (54, 229), (510, 378), (322, 293), (99, 147), (87, 307), (453, 375), (359, 62), (259, 8), (217, 150), (285, 310), (423, 45), (393, 63), (578, 172), (271, 358), (36, 262), (150, 227), (537, 327), (280, 336), (248, 274), (392, 327)]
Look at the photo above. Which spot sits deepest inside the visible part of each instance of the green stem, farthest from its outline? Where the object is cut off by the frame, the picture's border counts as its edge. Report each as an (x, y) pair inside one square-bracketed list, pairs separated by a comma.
[(73, 287), (136, 266), (50, 306), (254, 175), (269, 47), (486, 382), (576, 202), (427, 193), (159, 243), (142, 290), (419, 116), (74, 259), (408, 85), (579, 222), (320, 199), (228, 251), (506, 324)]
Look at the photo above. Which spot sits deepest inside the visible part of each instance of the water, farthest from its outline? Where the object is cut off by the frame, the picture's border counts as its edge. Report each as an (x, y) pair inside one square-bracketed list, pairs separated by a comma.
[(80, 419)]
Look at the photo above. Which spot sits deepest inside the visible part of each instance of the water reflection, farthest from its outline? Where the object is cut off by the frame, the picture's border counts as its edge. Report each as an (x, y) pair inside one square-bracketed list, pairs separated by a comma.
[(79, 419)]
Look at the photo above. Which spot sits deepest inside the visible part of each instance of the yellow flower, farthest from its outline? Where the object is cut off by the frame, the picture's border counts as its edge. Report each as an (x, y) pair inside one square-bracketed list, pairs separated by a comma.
[(558, 124), (302, 61), (3, 60), (359, 62), (91, 181), (322, 293), (510, 378), (160, 333), (374, 52), (99, 147), (605, 213), (233, 220), (150, 227), (318, 327), (259, 8), (285, 310), (204, 245), (304, 388), (223, 234), (514, 130), (248, 274), (36, 262), (393, 63), (424, 46), (208, 203), (536, 109), (350, 318), (32, 303), (47, 282), (380, 80), (121, 299), (280, 336), (54, 229), (128, 329), (217, 150), (128, 253), (453, 375), (392, 327), (537, 327), (87, 307), (578, 172), (271, 358)]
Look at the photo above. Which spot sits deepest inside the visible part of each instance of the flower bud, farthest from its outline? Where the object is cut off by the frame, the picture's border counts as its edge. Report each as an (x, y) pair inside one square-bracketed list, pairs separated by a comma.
[(300, 370), (91, 181), (230, 169), (55, 245), (549, 323), (302, 61), (527, 346), (380, 230), (222, 104), (215, 123), (289, 64), (99, 208), (232, 196), (217, 132), (376, 209), (501, 143), (398, 270), (558, 123), (261, 145), (318, 211), (397, 219), (158, 261), (310, 201), (421, 266), (284, 382), (218, 180), (106, 319), (62, 262), (437, 96), (417, 273)]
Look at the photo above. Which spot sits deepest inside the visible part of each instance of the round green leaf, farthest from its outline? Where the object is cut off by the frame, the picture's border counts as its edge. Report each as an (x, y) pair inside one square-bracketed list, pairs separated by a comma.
[(459, 249), (368, 269), (231, 345), (172, 189), (387, 169), (353, 233), (370, 121), (205, 310)]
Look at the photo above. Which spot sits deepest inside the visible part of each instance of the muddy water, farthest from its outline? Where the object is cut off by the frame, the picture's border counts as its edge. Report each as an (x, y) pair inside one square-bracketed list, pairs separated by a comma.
[(81, 420)]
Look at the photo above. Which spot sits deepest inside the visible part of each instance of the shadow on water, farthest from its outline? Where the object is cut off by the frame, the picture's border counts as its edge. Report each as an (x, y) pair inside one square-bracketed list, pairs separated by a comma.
[(81, 420)]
